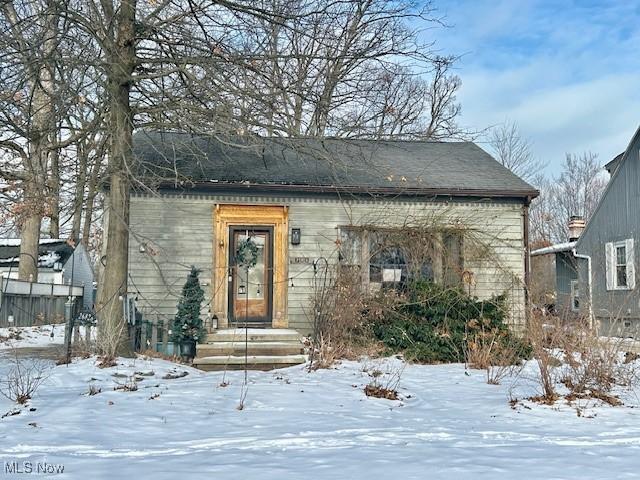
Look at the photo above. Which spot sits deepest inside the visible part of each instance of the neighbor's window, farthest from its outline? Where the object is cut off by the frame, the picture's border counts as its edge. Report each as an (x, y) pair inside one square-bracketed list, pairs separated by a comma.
[(575, 296), (620, 265)]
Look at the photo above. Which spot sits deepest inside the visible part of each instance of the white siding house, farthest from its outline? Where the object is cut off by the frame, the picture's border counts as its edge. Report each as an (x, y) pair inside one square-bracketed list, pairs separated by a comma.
[(311, 201)]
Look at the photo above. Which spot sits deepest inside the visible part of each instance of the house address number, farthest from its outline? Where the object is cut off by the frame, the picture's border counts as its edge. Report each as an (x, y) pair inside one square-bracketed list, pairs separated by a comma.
[(295, 260)]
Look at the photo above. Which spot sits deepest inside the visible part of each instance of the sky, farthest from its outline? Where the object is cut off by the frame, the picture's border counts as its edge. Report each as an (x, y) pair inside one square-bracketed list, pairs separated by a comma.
[(567, 72)]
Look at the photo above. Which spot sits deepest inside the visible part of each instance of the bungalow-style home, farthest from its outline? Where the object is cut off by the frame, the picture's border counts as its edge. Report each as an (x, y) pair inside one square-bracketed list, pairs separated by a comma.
[(606, 250), (58, 263), (309, 204)]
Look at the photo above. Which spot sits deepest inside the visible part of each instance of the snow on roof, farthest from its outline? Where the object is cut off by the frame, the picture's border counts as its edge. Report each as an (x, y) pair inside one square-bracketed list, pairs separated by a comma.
[(15, 242), (47, 260), (557, 248)]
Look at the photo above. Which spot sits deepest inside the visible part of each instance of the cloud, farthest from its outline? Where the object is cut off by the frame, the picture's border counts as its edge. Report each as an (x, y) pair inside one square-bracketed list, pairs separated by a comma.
[(569, 75)]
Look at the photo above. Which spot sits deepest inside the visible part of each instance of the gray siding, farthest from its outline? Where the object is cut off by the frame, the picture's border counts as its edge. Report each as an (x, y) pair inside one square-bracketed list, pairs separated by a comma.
[(177, 231), (616, 219), (78, 267), (566, 272)]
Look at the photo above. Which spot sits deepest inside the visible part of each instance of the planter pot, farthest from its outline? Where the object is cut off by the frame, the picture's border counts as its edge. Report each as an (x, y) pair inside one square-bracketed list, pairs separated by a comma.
[(188, 348)]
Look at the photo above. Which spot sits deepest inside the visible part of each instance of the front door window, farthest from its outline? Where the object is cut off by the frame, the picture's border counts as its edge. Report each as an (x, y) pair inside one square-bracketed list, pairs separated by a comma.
[(251, 275)]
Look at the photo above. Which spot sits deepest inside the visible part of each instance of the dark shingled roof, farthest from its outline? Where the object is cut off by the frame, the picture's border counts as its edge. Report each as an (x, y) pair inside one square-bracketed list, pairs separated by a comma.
[(372, 166), (10, 250)]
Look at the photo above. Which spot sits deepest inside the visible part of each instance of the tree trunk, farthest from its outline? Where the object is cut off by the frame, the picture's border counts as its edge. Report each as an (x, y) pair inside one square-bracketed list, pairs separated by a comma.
[(34, 186), (54, 197), (78, 197), (30, 234), (113, 328)]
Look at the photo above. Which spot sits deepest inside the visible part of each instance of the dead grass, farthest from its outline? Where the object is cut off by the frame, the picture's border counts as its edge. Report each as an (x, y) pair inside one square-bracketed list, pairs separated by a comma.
[(342, 314), (380, 392), (131, 385), (175, 375), (488, 351), (107, 361), (93, 390), (384, 381), (572, 354)]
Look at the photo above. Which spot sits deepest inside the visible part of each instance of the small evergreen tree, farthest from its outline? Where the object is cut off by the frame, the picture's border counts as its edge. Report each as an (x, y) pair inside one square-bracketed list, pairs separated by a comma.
[(187, 324)]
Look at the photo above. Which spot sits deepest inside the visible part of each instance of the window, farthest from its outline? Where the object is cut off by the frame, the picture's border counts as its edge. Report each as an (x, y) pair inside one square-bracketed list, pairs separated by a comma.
[(620, 265), (390, 257), (350, 247), (387, 258), (452, 258), (575, 296)]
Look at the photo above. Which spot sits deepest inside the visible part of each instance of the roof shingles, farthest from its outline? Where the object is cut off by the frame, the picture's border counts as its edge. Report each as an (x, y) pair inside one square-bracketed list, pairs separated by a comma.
[(359, 165)]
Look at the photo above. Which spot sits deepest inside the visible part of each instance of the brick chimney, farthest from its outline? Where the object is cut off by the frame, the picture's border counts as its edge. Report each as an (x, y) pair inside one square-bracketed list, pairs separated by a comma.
[(576, 227)]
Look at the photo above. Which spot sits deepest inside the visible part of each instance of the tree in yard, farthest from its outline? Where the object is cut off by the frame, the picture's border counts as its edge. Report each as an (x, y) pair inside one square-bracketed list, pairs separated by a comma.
[(45, 75), (28, 95), (575, 191), (268, 67), (345, 69), (187, 325), (513, 151)]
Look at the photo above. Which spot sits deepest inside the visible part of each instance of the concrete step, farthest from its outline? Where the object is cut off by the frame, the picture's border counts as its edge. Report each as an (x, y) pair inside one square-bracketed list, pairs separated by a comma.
[(254, 362), (254, 348), (254, 334)]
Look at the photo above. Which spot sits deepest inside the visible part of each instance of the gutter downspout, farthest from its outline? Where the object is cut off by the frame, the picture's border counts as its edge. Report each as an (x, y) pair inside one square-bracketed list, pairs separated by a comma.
[(588, 259)]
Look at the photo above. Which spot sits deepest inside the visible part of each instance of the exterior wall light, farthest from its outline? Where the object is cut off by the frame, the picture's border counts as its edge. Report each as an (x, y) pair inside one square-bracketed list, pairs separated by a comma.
[(295, 236)]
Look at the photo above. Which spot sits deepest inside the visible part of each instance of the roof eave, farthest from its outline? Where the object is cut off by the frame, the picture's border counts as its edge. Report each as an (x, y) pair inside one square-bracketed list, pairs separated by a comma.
[(355, 189)]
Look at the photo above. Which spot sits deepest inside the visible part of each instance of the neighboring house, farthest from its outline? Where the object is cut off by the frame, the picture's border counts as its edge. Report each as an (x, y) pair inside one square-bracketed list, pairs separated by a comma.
[(305, 201), (566, 301), (58, 264), (607, 249)]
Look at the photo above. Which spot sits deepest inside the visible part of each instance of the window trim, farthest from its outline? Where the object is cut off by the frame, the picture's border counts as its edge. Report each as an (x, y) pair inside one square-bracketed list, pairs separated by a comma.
[(612, 265), (615, 265)]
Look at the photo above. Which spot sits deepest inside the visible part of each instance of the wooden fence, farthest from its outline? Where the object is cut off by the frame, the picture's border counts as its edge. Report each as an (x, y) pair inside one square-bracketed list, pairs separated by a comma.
[(24, 304), (151, 334)]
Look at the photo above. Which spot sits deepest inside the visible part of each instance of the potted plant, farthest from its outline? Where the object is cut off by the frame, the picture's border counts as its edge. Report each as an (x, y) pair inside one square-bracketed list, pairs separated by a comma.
[(188, 328)]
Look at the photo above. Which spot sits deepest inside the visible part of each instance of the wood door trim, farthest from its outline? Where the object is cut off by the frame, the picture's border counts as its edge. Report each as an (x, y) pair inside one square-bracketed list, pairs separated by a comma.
[(277, 217)]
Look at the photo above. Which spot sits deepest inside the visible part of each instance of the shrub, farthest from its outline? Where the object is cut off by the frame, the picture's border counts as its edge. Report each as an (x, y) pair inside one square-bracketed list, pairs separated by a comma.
[(341, 314), (589, 366), (434, 324), (187, 325), (22, 380)]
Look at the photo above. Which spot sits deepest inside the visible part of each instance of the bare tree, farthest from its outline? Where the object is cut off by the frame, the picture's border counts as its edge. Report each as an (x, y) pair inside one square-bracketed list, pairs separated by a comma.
[(575, 191), (28, 96), (42, 80), (513, 151), (273, 67), (541, 211), (346, 69)]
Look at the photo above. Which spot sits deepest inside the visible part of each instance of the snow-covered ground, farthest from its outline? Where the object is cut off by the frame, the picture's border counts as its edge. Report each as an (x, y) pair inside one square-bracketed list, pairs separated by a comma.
[(319, 425), (40, 336)]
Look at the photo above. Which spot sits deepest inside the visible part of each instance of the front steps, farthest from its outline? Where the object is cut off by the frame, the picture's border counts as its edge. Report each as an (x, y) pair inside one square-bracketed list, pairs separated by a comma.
[(266, 349)]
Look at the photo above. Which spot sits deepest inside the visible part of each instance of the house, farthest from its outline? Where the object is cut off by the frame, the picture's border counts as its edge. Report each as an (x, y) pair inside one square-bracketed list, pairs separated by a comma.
[(310, 204), (564, 265), (58, 263), (606, 249)]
